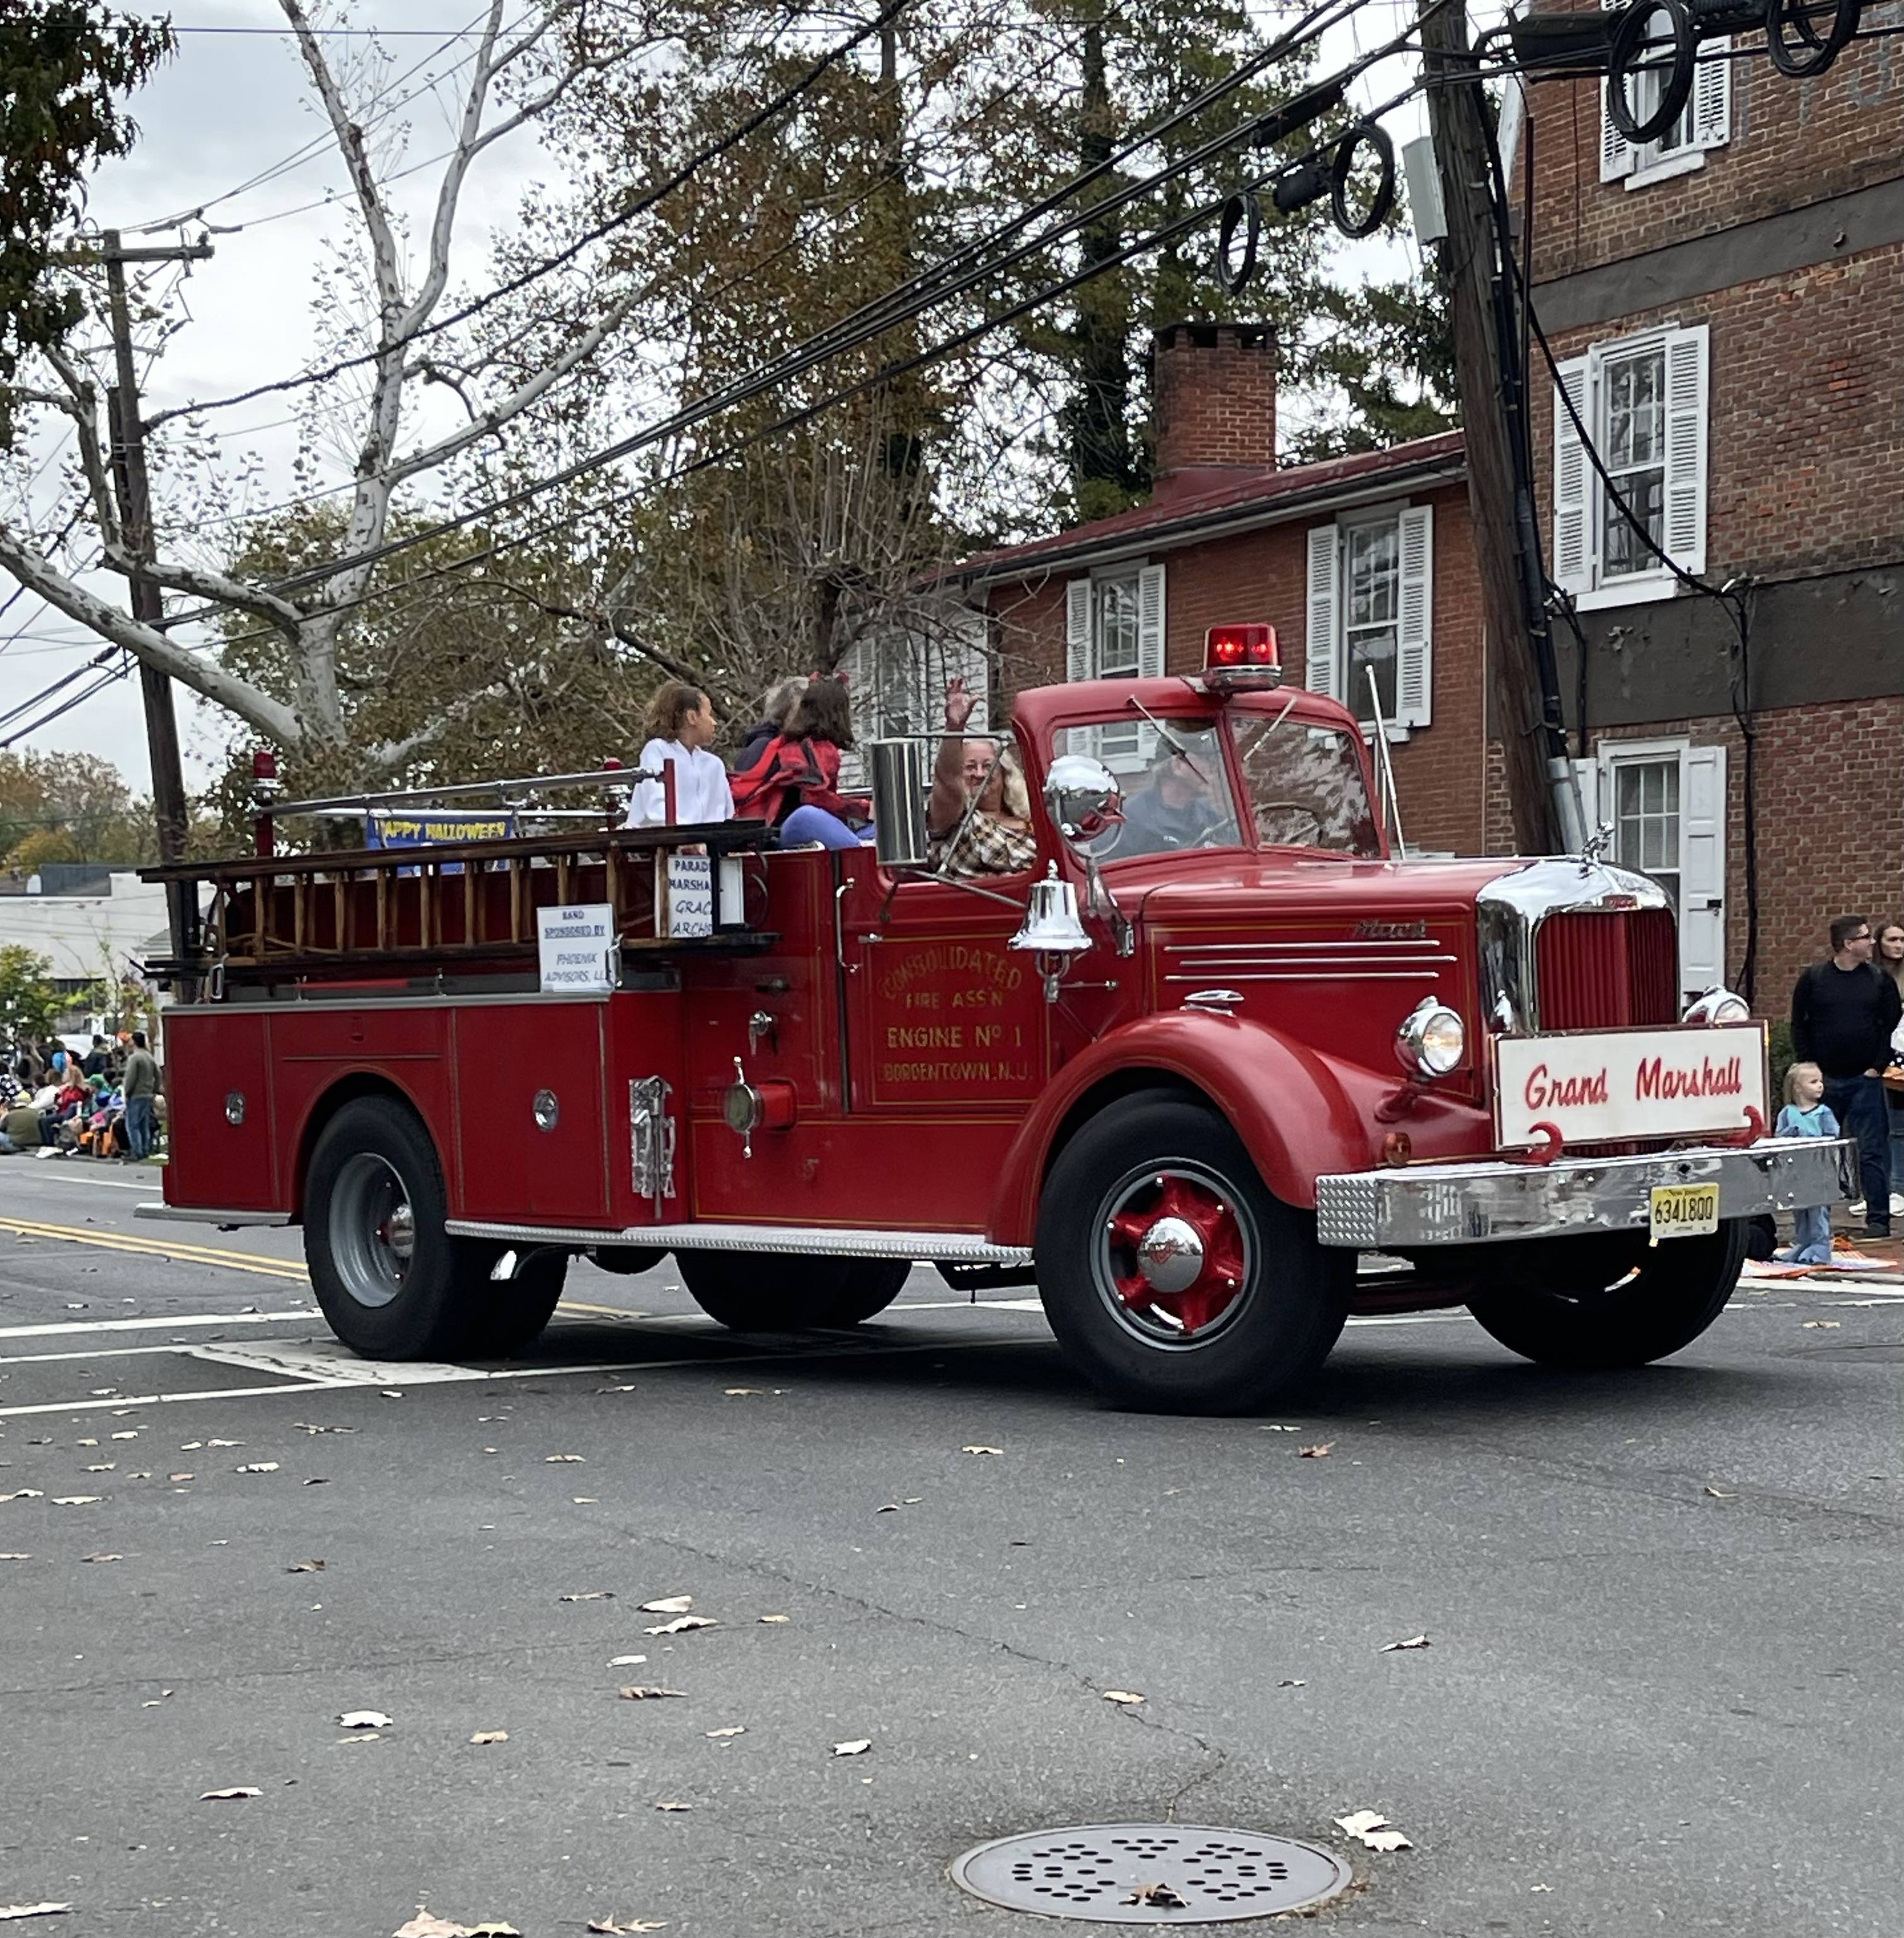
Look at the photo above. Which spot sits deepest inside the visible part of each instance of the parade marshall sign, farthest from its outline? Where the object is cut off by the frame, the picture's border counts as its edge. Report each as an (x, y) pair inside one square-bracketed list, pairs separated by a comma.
[(1597, 1086)]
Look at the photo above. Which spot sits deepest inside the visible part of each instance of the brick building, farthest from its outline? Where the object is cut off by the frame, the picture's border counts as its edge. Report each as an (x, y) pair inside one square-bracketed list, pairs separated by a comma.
[(1362, 564), (1726, 304)]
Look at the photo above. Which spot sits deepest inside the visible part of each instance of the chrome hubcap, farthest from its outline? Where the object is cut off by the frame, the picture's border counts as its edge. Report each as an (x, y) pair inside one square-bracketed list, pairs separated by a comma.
[(1169, 1255), (372, 1229)]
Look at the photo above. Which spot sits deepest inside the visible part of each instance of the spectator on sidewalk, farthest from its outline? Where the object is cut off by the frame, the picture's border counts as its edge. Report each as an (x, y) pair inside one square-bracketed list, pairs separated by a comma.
[(1843, 1013), (141, 1089), (1890, 960)]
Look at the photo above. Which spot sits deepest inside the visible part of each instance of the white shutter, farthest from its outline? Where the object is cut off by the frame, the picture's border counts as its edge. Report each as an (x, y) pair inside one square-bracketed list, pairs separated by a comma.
[(1712, 94), (858, 667), (1701, 868), (1078, 656), (1150, 623), (1618, 156), (1414, 641), (1322, 644), (1685, 487), (1573, 565)]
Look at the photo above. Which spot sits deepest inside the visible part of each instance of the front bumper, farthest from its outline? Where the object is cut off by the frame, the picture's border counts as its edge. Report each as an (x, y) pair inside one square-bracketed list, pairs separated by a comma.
[(1488, 1203)]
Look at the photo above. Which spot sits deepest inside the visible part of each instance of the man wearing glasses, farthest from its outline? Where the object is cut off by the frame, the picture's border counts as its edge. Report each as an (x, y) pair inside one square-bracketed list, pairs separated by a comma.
[(1843, 1013)]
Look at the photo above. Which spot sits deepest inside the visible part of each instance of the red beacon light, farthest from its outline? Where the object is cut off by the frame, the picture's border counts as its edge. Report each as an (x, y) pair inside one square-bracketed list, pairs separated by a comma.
[(1236, 657)]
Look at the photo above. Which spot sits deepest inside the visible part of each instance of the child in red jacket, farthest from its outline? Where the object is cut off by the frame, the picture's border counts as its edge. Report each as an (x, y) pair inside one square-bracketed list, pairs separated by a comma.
[(794, 785)]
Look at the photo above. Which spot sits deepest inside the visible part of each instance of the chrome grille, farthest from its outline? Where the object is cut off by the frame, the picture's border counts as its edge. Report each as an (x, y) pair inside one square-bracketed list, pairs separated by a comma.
[(1607, 969)]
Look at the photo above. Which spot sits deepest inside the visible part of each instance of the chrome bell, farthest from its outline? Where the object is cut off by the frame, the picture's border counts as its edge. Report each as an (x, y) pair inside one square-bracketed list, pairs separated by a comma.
[(1051, 925)]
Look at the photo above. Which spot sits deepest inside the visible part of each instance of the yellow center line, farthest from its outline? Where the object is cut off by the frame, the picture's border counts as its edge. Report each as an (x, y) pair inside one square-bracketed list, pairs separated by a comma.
[(121, 1241)]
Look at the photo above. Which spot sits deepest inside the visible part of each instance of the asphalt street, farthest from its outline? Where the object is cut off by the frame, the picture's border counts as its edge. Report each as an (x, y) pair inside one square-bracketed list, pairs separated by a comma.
[(1660, 1692)]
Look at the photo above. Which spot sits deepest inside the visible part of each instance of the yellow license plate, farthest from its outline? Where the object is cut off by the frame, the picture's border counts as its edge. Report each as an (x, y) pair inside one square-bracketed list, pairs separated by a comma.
[(1684, 1210)]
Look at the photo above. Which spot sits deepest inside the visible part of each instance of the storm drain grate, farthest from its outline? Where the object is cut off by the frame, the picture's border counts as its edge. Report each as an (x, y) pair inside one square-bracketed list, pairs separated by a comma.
[(1150, 1873)]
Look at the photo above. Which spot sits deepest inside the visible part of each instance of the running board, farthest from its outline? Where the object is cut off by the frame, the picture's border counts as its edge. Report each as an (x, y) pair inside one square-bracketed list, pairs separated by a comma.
[(949, 1247), (226, 1221)]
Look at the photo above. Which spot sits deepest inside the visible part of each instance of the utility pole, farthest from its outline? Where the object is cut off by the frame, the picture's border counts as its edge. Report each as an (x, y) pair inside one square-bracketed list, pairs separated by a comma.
[(1523, 694), (130, 488)]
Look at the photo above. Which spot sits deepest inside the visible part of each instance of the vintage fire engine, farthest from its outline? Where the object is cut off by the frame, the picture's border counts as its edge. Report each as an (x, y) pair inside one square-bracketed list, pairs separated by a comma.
[(1220, 1045)]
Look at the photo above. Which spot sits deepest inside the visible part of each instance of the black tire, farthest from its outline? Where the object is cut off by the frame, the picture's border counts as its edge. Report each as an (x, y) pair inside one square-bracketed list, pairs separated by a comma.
[(1268, 1336), (868, 1286), (786, 1292), (386, 1275), (628, 1261), (502, 1317), (1593, 1304)]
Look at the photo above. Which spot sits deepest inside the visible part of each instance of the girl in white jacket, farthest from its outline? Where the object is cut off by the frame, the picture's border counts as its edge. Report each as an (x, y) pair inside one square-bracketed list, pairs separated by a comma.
[(682, 726)]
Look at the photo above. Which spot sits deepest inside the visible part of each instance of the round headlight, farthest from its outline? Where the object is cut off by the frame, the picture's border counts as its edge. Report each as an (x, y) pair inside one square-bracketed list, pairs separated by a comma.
[(1719, 1005), (1432, 1040)]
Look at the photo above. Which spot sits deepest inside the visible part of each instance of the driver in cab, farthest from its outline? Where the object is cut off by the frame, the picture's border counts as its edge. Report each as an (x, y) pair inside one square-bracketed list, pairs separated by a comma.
[(1174, 810)]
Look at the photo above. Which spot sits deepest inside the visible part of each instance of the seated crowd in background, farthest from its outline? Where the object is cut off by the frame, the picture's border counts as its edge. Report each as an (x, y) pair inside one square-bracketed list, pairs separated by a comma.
[(103, 1103)]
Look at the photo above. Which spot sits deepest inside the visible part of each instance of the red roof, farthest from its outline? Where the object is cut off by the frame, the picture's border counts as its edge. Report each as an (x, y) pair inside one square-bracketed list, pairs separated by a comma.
[(1191, 515)]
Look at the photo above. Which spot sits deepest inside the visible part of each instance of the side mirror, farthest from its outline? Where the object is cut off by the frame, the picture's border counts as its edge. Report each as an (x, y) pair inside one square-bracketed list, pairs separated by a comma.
[(899, 790), (1085, 802)]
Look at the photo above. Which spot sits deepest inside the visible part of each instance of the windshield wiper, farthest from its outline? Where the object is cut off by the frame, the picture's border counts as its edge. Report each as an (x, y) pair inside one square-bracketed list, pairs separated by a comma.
[(1170, 740)]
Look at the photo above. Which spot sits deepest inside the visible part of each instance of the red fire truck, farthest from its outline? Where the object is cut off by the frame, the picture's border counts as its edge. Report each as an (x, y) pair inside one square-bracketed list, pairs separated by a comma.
[(1219, 1046)]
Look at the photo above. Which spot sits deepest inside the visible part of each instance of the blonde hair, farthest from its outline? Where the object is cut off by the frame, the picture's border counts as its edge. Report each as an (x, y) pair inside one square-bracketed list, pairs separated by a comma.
[(1791, 1079)]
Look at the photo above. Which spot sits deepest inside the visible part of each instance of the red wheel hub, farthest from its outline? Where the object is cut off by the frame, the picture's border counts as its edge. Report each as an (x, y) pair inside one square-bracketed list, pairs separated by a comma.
[(1176, 1252)]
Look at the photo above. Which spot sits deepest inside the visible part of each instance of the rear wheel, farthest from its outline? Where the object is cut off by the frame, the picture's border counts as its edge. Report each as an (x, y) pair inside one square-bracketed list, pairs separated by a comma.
[(504, 1317), (783, 1292), (386, 1275), (1173, 1279), (1595, 1303)]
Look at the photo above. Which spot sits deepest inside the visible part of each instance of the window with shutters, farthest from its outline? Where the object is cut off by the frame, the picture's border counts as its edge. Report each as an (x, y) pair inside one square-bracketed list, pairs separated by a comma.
[(1642, 401), (1705, 123), (1114, 630), (1370, 607)]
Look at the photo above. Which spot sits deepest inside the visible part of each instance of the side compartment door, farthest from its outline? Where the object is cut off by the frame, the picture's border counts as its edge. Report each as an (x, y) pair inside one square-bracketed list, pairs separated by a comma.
[(221, 1111)]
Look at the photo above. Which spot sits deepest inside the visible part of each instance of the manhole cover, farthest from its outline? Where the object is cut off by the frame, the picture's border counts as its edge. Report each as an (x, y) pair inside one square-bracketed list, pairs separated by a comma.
[(1150, 1873)]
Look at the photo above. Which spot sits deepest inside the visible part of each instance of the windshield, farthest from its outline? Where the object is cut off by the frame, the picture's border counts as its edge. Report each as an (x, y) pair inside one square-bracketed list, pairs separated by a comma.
[(1175, 784), (1304, 783)]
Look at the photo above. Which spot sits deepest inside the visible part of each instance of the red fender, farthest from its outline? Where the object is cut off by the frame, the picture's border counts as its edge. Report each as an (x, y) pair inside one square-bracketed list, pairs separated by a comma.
[(1300, 1115)]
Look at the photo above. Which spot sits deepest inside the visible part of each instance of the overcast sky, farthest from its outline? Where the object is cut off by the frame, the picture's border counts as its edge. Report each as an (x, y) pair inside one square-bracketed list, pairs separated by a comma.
[(231, 107)]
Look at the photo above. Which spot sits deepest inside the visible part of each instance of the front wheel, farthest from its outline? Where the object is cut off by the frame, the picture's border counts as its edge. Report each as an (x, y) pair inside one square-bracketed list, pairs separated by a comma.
[(1596, 1303), (783, 1292), (1173, 1279)]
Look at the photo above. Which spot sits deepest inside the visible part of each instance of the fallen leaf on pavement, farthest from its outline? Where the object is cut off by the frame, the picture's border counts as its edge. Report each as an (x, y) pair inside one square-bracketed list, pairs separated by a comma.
[(77, 1500), (102, 1558), (24, 1494), (589, 1595), (607, 1928), (47, 1910), (1290, 1682), (256, 1467), (773, 1618), (181, 1477), (318, 1480), (668, 1605), (740, 1393), (982, 1450), (1159, 1895), (1412, 1641), (229, 1796), (732, 1729), (1718, 1495), (1320, 1451), (489, 1927), (636, 1692), (1124, 1695), (305, 1568), (1822, 1325), (669, 1804), (101, 1467), (16, 1557), (625, 1661), (423, 1925), (363, 1719), (1374, 1831), (563, 1460), (306, 1427), (131, 1433), (490, 1736), (224, 1443), (1279, 1429), (681, 1624), (858, 1747)]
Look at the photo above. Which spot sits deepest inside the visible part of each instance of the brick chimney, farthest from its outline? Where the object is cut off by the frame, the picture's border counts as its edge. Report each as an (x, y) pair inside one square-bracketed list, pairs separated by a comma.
[(1212, 390)]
